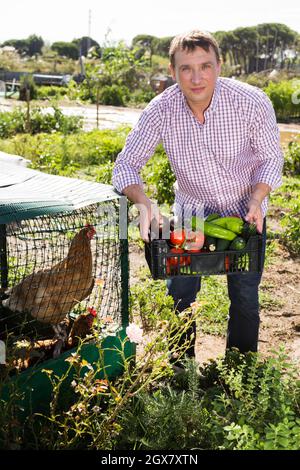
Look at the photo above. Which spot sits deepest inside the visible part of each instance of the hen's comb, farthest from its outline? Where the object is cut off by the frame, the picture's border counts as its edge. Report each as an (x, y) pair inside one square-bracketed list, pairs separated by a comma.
[(92, 311)]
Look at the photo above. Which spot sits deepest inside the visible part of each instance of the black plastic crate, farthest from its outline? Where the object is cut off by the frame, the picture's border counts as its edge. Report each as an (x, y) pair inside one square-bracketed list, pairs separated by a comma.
[(157, 254)]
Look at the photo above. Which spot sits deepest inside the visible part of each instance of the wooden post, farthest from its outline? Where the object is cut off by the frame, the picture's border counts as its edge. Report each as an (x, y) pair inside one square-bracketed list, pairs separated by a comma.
[(3, 258), (97, 105), (28, 109)]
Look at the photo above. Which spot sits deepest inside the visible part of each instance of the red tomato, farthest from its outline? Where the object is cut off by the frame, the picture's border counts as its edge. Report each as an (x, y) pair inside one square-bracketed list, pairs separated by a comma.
[(183, 260), (194, 241), (177, 237)]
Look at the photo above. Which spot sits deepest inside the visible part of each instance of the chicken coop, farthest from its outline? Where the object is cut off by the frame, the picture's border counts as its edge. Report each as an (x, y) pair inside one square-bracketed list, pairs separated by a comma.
[(63, 278)]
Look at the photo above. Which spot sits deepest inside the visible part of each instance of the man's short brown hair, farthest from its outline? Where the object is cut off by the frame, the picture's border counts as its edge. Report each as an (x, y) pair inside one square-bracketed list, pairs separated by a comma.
[(189, 41)]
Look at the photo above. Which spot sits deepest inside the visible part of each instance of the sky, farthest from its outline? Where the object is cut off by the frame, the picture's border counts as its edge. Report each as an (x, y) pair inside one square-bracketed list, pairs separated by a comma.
[(113, 20)]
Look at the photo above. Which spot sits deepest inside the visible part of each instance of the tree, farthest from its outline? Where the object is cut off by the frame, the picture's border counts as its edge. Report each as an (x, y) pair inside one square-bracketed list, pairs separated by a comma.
[(66, 49), (246, 45), (30, 46), (84, 44), (35, 44), (21, 45), (258, 47), (163, 45), (275, 38), (147, 42)]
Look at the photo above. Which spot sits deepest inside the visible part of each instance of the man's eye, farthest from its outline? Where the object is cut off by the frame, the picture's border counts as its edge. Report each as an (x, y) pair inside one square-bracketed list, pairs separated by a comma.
[(206, 66)]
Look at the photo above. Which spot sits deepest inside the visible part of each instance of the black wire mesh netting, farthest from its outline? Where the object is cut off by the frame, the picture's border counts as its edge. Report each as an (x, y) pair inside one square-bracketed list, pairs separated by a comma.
[(57, 268)]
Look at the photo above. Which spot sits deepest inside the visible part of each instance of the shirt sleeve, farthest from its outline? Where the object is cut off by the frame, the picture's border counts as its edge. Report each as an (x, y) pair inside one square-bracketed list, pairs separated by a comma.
[(139, 147), (265, 142)]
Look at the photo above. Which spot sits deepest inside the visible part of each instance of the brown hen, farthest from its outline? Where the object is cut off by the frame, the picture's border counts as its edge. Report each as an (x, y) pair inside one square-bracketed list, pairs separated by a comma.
[(82, 326), (49, 295)]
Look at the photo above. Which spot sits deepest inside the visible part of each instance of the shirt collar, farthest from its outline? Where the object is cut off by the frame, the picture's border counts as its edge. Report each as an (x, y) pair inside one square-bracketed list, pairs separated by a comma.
[(215, 96), (214, 100)]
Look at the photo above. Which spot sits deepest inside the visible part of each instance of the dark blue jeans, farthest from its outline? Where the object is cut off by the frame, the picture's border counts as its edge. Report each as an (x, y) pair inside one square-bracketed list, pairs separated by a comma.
[(243, 321)]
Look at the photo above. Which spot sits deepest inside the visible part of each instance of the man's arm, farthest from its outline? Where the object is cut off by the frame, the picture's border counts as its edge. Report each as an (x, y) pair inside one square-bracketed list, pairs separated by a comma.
[(140, 146), (265, 141), (254, 214)]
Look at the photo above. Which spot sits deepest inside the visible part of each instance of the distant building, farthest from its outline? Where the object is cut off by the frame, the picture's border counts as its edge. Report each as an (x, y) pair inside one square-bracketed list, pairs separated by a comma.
[(160, 82), (7, 50)]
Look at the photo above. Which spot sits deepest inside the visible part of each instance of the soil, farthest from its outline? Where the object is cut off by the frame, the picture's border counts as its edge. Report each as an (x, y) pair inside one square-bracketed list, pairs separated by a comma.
[(280, 319)]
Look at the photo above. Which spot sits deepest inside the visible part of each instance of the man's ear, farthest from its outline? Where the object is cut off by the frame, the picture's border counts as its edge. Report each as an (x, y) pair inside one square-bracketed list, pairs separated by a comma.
[(172, 72)]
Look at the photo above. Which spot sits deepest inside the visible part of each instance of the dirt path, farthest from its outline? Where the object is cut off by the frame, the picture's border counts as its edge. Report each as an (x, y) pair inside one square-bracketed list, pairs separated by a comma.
[(280, 317)]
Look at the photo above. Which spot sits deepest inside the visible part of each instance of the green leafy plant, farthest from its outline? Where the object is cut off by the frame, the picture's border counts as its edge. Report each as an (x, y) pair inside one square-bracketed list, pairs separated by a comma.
[(17, 122), (159, 177), (292, 160), (28, 89), (150, 303), (239, 402), (281, 95), (291, 234), (86, 406), (51, 92)]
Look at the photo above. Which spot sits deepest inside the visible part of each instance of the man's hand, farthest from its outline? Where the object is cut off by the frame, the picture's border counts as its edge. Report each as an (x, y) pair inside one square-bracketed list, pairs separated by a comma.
[(149, 212), (151, 221), (254, 214)]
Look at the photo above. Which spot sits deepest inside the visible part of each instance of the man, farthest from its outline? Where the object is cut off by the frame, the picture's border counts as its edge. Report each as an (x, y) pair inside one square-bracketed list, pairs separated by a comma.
[(222, 141)]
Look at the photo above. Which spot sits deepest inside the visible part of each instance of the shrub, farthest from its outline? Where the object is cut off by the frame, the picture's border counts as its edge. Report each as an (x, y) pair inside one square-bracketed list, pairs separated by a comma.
[(141, 97), (239, 402), (292, 159), (104, 173), (283, 96), (291, 234), (27, 83), (50, 92), (159, 177), (168, 419), (46, 150), (113, 95), (150, 303), (16, 122)]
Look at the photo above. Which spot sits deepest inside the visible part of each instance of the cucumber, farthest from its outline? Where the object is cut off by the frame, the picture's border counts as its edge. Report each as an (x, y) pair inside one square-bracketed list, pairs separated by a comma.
[(211, 217), (237, 244), (222, 245), (212, 230)]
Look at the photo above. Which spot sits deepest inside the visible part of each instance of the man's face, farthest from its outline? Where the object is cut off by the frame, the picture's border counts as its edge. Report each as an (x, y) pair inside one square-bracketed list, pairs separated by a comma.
[(196, 73)]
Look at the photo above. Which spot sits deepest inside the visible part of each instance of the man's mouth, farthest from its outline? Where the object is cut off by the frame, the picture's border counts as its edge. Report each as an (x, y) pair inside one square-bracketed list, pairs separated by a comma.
[(197, 89)]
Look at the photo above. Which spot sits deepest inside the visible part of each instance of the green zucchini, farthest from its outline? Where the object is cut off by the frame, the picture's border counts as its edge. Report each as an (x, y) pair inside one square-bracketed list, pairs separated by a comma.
[(235, 224), (212, 230), (222, 244), (211, 217), (237, 244)]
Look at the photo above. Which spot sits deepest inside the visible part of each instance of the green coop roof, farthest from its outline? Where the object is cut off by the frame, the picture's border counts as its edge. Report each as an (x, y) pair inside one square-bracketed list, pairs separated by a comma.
[(26, 193)]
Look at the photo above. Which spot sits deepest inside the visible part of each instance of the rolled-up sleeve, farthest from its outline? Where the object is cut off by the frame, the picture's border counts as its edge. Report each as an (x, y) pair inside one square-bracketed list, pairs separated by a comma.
[(139, 147), (265, 142)]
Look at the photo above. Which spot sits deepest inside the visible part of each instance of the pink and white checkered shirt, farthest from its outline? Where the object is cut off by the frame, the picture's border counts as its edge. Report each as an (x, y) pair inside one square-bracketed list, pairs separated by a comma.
[(216, 163)]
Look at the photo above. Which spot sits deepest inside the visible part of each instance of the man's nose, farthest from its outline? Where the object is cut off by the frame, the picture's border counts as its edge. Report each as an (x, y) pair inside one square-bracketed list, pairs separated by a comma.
[(196, 76)]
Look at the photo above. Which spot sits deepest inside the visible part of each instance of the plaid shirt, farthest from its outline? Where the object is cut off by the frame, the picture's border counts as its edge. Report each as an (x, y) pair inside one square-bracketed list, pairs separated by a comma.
[(216, 163)]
